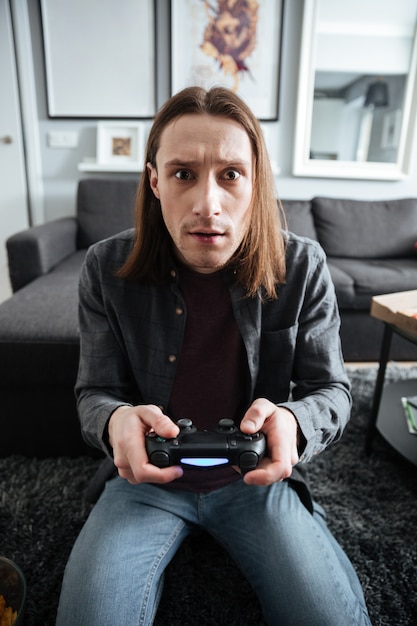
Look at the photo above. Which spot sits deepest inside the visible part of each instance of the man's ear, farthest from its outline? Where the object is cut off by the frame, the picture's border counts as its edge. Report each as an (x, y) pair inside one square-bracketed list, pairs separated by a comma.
[(153, 179)]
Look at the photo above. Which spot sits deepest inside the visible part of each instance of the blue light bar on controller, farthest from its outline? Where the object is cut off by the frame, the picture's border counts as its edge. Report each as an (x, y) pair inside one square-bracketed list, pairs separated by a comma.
[(203, 462)]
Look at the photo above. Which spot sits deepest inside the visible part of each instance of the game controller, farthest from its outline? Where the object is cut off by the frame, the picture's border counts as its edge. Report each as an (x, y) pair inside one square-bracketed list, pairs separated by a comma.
[(226, 445)]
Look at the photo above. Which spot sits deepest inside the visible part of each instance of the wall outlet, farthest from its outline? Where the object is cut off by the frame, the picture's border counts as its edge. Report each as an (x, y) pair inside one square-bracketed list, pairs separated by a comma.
[(63, 139)]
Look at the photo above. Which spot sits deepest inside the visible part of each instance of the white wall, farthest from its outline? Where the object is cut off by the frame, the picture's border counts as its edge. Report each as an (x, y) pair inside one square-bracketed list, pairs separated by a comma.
[(60, 173)]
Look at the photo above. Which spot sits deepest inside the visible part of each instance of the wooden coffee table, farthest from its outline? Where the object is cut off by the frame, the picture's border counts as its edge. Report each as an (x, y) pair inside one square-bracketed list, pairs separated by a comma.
[(387, 415)]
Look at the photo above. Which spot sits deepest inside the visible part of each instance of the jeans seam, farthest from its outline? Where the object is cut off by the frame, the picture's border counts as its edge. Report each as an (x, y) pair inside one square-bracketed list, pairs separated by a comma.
[(200, 509), (341, 588), (153, 570)]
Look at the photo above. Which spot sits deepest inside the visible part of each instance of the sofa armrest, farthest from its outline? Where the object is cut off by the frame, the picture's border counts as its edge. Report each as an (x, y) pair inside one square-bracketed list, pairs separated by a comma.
[(35, 251)]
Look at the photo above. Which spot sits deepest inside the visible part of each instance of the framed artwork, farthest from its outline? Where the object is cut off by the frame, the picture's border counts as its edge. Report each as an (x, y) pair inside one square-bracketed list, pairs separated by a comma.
[(120, 143), (99, 58), (232, 44)]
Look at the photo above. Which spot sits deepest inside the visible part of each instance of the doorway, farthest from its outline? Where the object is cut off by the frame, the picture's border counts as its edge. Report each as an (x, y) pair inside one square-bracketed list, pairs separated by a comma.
[(14, 214)]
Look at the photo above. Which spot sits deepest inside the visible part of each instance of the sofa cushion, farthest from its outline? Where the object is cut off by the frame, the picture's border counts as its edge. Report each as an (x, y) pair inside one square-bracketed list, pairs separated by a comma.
[(366, 229), (343, 283), (370, 277), (39, 334), (300, 218), (105, 207)]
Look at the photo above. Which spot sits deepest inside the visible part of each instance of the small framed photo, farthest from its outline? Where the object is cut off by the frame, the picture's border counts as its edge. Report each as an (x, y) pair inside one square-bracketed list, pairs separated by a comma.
[(230, 44), (120, 143)]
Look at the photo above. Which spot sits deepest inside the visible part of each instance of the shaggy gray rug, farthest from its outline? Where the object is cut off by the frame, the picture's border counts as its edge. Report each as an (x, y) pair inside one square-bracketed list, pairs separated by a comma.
[(370, 504)]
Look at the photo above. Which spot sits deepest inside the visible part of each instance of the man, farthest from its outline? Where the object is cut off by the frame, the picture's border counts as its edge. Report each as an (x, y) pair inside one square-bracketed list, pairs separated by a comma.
[(209, 310)]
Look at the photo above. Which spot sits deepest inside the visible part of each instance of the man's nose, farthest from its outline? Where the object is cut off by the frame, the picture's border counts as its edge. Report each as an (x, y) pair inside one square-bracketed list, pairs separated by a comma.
[(208, 198)]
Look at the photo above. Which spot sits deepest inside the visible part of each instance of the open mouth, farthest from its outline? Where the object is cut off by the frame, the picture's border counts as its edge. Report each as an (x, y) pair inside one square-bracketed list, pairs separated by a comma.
[(207, 236)]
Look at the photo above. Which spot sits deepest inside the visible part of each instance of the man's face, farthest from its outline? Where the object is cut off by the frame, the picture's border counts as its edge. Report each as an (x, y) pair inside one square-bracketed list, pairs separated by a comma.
[(204, 179)]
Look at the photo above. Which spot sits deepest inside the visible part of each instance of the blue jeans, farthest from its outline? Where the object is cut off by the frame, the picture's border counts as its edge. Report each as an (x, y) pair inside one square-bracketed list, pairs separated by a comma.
[(297, 569)]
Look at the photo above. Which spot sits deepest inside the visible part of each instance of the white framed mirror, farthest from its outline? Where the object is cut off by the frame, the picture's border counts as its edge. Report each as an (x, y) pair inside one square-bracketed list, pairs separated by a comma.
[(357, 89)]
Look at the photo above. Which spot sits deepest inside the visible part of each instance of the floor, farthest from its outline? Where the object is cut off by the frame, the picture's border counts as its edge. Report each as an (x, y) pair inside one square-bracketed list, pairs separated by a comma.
[(373, 363)]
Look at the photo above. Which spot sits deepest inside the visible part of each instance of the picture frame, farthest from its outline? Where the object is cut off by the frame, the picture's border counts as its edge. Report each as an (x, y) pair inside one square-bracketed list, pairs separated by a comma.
[(109, 69), (120, 143), (238, 48)]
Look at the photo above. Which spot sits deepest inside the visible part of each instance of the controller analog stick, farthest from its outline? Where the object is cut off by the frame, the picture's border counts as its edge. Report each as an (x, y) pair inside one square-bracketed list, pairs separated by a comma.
[(248, 461), (226, 425), (160, 458)]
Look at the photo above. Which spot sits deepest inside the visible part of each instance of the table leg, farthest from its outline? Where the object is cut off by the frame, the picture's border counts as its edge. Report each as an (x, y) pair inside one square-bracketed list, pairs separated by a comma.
[(383, 359)]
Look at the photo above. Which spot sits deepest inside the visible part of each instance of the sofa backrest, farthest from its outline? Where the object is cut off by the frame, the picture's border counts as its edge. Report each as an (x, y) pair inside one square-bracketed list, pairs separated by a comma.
[(345, 228), (104, 207), (365, 228), (300, 217)]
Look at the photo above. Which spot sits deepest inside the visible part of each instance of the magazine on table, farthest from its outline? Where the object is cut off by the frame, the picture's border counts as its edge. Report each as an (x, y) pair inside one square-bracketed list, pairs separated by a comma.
[(410, 411)]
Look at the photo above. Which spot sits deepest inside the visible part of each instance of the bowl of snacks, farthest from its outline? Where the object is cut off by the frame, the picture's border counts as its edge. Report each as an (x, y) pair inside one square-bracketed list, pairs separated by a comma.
[(12, 593)]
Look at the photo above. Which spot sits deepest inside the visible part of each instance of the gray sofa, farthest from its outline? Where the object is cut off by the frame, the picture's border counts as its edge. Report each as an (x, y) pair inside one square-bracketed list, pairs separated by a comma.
[(370, 250)]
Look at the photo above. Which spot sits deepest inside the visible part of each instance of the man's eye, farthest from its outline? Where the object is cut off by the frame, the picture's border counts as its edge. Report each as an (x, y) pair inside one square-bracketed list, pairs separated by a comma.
[(232, 175), (183, 175)]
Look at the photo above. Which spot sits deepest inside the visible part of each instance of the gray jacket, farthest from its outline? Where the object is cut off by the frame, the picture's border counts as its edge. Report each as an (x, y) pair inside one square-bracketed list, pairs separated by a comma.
[(131, 335)]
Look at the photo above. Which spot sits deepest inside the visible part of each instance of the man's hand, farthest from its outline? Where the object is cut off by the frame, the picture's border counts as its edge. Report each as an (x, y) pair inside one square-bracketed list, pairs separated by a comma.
[(280, 428), (127, 429)]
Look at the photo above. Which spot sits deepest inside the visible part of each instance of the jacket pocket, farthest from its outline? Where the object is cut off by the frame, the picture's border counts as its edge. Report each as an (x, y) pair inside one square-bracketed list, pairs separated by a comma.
[(276, 359)]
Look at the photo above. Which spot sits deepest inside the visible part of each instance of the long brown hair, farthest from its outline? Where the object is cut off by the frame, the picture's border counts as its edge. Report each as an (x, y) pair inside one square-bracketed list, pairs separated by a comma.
[(260, 258)]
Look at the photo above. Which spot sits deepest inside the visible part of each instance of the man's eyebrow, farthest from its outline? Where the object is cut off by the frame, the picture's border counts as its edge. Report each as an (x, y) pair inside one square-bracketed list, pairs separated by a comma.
[(193, 162), (180, 162)]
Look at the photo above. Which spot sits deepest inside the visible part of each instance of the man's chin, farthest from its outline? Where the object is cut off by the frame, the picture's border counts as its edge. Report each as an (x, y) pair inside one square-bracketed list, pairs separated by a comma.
[(206, 266), (204, 261)]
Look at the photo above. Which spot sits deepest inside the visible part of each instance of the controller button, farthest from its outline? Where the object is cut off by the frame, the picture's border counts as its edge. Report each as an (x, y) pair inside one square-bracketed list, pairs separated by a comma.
[(226, 425), (248, 459), (185, 424), (160, 439), (160, 458)]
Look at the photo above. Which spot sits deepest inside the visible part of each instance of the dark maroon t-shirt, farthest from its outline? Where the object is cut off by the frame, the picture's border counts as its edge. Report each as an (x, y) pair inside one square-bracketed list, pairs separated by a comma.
[(211, 370)]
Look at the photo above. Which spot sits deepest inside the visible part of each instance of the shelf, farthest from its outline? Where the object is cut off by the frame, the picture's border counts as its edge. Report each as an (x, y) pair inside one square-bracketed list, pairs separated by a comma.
[(93, 166), (391, 421)]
